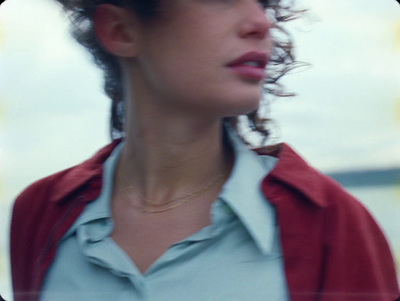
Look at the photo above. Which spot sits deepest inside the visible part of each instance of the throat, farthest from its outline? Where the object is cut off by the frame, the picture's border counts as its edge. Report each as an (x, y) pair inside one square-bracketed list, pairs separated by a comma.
[(159, 185), (151, 207), (146, 237)]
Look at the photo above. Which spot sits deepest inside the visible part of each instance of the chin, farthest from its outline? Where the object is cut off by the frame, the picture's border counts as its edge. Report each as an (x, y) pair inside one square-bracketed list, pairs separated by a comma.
[(241, 107), (245, 104), (219, 105)]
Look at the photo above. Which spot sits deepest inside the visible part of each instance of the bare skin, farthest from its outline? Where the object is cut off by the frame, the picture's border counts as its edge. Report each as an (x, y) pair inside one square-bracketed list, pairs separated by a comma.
[(173, 142), (168, 164), (162, 164), (145, 237)]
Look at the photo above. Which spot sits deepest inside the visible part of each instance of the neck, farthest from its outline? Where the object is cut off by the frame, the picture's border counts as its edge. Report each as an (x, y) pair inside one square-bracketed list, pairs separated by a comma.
[(171, 149), (164, 158)]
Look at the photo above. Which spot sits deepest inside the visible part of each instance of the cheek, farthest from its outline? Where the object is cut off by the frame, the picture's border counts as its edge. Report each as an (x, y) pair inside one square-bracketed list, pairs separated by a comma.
[(197, 83), (178, 68), (193, 76)]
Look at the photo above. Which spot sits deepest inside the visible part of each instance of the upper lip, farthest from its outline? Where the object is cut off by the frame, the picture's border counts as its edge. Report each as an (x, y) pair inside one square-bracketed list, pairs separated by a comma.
[(261, 58)]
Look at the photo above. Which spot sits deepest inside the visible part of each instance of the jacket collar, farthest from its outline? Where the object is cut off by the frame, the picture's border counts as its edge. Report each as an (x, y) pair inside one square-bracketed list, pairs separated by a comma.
[(291, 170), (83, 174)]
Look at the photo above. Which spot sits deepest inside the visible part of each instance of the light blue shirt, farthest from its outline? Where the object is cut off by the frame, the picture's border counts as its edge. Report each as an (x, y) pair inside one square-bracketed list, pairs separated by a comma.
[(236, 257)]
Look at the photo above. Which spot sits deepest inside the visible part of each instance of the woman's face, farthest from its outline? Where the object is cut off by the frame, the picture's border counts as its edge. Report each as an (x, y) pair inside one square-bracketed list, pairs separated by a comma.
[(205, 56)]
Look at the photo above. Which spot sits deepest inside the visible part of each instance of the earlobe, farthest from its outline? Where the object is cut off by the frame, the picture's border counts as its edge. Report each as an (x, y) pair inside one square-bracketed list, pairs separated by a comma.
[(115, 30)]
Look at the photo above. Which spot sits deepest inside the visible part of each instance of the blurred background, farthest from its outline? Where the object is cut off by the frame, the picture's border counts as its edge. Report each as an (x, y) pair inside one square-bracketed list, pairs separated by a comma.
[(345, 119)]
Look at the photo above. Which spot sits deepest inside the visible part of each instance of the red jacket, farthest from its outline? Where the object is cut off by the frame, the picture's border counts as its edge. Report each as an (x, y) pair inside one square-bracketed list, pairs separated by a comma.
[(333, 249)]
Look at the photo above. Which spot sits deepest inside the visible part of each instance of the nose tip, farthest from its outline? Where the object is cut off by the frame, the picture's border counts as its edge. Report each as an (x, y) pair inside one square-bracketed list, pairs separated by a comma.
[(256, 23)]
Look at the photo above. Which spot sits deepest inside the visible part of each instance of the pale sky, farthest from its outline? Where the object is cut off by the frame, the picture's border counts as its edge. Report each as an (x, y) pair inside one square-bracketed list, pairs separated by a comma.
[(346, 114), (52, 96)]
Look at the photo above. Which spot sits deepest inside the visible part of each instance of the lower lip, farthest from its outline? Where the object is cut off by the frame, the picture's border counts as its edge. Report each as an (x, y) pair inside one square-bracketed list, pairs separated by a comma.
[(249, 72)]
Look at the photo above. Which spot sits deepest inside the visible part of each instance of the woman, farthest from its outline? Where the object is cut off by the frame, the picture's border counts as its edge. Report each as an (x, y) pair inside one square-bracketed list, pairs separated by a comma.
[(180, 208)]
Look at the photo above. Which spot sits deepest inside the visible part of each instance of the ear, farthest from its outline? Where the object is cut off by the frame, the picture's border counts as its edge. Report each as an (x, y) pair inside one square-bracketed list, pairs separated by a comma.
[(117, 29)]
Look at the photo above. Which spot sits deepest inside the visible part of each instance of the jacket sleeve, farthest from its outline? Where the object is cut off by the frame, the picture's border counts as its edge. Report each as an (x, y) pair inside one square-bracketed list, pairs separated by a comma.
[(24, 240), (358, 260)]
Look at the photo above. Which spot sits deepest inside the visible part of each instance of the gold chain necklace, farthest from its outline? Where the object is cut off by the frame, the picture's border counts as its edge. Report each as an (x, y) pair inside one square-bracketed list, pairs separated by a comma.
[(149, 207)]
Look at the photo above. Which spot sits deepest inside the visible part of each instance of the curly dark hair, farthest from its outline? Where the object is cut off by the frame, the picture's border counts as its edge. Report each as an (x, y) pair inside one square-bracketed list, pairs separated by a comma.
[(282, 61)]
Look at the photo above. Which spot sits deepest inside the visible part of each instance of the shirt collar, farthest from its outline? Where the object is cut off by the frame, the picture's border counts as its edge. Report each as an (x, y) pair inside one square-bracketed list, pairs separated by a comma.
[(242, 193)]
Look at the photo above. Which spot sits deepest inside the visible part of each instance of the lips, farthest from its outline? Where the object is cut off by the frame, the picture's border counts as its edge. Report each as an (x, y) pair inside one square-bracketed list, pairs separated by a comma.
[(259, 59), (250, 65)]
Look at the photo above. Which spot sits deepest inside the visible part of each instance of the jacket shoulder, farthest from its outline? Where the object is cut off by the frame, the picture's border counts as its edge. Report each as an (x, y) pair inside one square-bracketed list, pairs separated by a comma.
[(294, 173), (57, 186), (340, 244), (37, 204), (308, 186), (43, 213), (37, 193)]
